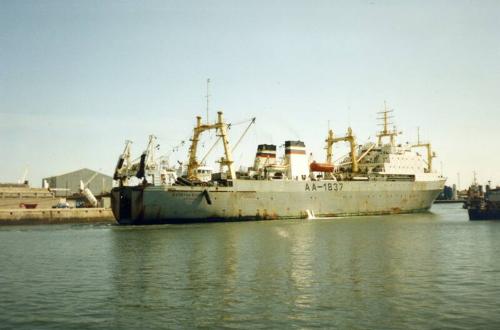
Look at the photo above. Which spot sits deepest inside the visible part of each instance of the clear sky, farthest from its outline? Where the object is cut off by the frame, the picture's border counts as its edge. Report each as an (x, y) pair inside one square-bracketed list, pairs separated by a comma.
[(77, 78)]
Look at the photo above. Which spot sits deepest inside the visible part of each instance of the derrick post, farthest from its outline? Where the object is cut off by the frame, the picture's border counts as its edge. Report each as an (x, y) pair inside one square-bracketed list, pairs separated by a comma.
[(193, 163), (228, 161), (329, 147), (429, 157), (352, 141)]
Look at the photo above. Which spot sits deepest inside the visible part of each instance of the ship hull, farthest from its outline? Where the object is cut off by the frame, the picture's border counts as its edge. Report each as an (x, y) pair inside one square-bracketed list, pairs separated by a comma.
[(262, 200), (478, 214)]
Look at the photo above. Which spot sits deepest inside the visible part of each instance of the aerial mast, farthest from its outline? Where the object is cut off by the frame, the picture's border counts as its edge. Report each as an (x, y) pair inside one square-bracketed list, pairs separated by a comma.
[(208, 98), (386, 116)]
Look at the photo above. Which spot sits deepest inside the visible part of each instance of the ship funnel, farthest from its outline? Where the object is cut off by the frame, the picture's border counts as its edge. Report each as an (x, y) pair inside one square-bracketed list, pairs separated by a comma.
[(296, 160), (265, 156)]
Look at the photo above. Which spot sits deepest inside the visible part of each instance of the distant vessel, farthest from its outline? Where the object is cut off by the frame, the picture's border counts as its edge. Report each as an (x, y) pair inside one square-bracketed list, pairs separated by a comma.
[(483, 206), (375, 178)]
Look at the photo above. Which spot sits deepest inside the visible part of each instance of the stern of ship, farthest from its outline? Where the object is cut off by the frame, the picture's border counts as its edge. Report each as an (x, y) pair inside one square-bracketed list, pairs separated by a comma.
[(126, 204)]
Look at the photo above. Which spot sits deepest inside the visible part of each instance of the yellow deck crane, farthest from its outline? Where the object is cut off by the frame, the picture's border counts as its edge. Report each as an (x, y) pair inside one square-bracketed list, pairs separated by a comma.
[(351, 139), (221, 127)]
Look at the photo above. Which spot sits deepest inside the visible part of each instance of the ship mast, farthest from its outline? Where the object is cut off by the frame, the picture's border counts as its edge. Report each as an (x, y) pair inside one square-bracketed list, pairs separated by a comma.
[(208, 98), (386, 116)]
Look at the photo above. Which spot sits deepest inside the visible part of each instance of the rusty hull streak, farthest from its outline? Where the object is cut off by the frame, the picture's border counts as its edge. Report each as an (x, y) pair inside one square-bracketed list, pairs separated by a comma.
[(395, 210)]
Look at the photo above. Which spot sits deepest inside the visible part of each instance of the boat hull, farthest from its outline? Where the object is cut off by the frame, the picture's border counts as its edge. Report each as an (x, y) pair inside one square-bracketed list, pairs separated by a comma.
[(262, 200), (478, 214)]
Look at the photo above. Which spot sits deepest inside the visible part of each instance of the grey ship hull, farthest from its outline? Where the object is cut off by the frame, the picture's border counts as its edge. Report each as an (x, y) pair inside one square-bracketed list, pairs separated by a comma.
[(262, 199)]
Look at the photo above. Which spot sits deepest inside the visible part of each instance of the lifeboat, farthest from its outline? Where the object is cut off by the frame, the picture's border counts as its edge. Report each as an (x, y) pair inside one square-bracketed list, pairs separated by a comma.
[(321, 167)]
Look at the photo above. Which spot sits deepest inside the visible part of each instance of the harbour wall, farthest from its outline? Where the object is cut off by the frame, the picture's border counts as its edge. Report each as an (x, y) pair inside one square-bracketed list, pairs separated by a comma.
[(55, 216)]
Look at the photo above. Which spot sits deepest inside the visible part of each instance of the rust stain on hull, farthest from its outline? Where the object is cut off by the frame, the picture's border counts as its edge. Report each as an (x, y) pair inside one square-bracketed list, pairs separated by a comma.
[(395, 210)]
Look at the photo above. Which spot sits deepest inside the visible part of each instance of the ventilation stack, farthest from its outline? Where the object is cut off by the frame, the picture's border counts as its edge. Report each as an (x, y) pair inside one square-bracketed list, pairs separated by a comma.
[(296, 159)]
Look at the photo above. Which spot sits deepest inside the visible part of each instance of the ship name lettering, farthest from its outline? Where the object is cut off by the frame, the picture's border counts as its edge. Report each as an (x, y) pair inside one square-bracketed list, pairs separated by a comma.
[(336, 186), (183, 194), (311, 187)]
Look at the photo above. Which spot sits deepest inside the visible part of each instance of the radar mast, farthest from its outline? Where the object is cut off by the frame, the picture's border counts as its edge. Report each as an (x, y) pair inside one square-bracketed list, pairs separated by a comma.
[(385, 118)]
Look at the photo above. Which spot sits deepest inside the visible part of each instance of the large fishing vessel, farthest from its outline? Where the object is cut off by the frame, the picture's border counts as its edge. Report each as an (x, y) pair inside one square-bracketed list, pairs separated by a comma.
[(380, 177)]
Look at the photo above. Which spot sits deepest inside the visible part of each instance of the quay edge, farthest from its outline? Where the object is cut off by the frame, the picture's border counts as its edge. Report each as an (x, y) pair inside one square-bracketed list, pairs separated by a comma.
[(55, 216)]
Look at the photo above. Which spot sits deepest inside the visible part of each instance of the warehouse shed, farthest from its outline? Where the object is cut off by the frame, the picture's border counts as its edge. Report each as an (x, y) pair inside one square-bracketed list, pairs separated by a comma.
[(69, 183)]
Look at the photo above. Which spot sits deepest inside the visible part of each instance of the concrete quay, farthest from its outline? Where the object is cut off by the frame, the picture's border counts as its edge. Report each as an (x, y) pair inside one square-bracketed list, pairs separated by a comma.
[(55, 216)]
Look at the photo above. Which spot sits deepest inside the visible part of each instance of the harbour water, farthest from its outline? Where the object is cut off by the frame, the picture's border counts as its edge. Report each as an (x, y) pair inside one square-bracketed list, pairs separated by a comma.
[(431, 270)]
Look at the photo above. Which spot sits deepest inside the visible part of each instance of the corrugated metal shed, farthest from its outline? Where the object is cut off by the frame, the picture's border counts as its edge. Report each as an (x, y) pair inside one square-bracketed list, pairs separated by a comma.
[(99, 183)]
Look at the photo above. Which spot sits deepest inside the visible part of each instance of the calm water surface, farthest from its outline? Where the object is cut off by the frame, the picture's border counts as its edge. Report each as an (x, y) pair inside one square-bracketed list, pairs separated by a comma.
[(433, 270)]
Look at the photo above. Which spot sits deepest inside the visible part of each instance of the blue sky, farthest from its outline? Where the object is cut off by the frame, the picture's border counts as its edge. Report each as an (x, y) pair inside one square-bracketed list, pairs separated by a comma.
[(77, 78)]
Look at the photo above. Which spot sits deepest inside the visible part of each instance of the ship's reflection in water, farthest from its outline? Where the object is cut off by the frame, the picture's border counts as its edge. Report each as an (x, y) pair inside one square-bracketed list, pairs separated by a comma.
[(434, 270), (424, 270)]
